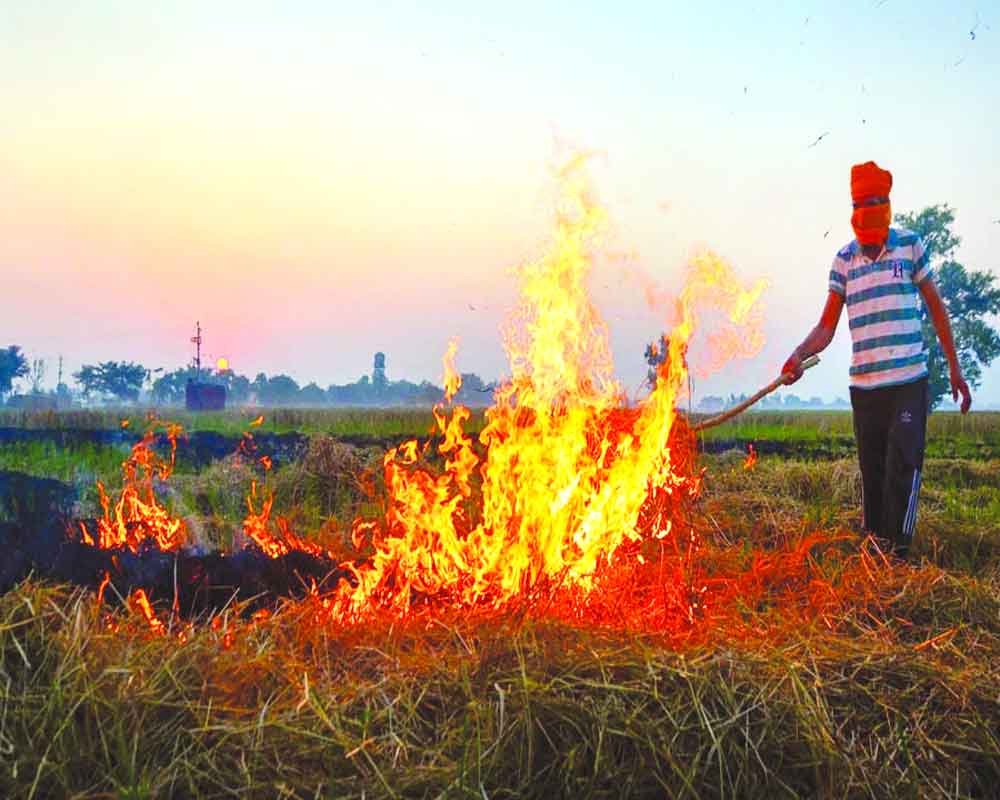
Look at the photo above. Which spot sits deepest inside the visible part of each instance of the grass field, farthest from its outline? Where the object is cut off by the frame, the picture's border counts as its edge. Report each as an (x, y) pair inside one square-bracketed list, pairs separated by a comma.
[(891, 692)]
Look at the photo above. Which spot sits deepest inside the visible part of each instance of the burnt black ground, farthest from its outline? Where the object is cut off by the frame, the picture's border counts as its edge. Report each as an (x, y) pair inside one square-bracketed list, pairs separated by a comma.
[(38, 536), (198, 582)]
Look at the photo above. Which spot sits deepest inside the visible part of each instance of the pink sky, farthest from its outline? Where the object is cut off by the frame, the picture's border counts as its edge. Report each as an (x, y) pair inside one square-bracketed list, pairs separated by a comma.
[(320, 182)]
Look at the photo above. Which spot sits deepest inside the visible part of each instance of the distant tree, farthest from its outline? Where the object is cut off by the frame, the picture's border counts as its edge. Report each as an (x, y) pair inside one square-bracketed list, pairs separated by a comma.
[(279, 390), (427, 393), (121, 379), (655, 354), (711, 403), (37, 375), (971, 298), (169, 388), (63, 393), (13, 365), (312, 395), (238, 387), (471, 382)]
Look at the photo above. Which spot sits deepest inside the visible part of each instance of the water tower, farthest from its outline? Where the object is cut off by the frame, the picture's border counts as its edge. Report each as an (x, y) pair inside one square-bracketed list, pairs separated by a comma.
[(378, 372)]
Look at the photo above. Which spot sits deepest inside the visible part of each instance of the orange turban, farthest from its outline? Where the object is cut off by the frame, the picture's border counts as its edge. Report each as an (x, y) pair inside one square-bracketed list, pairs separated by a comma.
[(869, 180), (871, 219)]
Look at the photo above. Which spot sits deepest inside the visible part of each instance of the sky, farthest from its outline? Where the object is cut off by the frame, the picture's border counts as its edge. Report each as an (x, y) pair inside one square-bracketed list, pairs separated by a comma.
[(315, 181)]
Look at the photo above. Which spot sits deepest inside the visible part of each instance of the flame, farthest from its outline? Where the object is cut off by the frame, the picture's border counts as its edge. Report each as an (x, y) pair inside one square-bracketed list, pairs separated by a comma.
[(258, 528), (140, 603), (222, 364), (137, 519), (452, 380), (567, 478), (137, 516), (565, 482), (85, 536), (751, 458), (100, 589)]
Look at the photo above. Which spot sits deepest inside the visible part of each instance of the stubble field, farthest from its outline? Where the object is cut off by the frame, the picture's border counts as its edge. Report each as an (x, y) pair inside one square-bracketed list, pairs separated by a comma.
[(891, 689)]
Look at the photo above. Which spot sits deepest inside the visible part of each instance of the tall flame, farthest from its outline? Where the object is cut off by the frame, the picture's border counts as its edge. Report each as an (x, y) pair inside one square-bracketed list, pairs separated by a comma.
[(452, 379), (565, 480), (564, 471)]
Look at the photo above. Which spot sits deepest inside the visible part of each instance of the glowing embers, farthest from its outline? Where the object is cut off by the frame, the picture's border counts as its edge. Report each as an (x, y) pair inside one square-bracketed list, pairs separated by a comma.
[(137, 516)]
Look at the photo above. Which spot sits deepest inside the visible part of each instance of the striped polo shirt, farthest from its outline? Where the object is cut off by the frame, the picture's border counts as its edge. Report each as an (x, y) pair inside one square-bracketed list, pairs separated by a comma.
[(883, 309)]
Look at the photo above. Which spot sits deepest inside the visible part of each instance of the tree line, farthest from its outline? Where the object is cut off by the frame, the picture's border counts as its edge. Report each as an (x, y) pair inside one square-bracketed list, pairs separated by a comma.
[(126, 381)]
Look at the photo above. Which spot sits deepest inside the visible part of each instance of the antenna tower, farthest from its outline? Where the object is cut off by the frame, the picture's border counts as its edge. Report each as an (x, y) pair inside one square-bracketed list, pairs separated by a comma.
[(197, 353)]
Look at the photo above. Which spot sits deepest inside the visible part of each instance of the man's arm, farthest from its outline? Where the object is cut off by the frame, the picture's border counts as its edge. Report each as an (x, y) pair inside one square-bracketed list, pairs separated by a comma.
[(939, 316), (819, 337)]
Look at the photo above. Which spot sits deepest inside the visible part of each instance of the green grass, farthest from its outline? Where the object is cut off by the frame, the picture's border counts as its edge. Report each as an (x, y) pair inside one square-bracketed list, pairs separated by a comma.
[(373, 423), (81, 463), (958, 520), (949, 434)]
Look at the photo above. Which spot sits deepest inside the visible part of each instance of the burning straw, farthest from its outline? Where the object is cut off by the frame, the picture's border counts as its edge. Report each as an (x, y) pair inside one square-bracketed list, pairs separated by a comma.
[(571, 504)]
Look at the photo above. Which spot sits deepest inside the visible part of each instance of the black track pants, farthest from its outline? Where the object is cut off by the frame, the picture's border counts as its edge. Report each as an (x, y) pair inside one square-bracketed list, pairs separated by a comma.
[(890, 425)]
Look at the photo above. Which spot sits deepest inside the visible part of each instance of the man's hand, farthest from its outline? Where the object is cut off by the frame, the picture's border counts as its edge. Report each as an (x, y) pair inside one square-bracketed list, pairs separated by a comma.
[(960, 387), (793, 368)]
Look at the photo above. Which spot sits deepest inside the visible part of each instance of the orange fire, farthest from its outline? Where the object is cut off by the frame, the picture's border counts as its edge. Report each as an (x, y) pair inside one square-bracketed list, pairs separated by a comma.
[(100, 589), (452, 380), (137, 516), (566, 483), (258, 527), (141, 604), (563, 480), (751, 458)]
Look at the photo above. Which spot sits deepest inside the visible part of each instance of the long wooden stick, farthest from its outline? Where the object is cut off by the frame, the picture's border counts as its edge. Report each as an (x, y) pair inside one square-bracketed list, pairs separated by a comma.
[(781, 380)]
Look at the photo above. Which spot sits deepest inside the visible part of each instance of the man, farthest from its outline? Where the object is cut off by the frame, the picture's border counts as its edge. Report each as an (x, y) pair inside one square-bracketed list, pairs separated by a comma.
[(878, 276)]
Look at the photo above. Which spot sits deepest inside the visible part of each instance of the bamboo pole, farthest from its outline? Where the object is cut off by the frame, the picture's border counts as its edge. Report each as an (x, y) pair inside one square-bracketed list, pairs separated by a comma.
[(781, 380)]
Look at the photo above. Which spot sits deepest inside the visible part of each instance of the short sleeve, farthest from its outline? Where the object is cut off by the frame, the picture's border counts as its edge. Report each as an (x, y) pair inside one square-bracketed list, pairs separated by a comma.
[(838, 277), (921, 263)]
